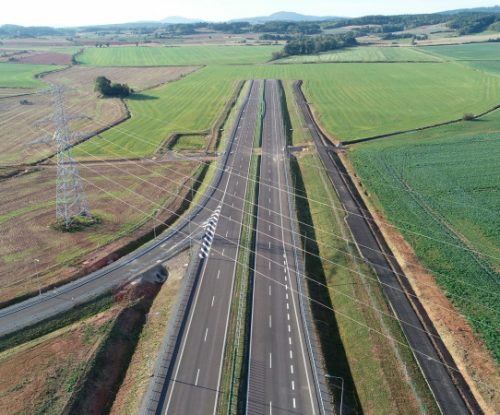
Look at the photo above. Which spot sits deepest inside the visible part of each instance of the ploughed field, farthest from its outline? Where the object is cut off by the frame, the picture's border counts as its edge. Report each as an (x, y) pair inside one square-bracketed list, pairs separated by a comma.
[(123, 195), (27, 139), (440, 187)]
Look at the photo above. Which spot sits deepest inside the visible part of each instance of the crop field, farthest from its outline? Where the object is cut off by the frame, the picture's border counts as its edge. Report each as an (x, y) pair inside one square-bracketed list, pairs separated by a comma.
[(28, 211), (22, 75), (190, 105), (351, 101), (366, 54), (162, 56), (16, 141), (469, 52), (443, 183)]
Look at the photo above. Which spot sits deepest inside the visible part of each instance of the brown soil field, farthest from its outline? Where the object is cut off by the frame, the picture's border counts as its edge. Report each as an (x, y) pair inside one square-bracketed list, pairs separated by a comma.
[(124, 195), (41, 373), (19, 123), (45, 58)]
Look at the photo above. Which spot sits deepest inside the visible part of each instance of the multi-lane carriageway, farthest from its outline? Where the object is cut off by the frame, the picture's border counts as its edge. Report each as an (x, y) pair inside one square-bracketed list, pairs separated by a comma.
[(281, 379), (280, 373)]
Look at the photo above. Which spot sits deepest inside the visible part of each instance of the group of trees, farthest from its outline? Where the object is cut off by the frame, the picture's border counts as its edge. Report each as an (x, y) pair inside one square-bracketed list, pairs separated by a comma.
[(474, 23), (107, 89), (307, 45)]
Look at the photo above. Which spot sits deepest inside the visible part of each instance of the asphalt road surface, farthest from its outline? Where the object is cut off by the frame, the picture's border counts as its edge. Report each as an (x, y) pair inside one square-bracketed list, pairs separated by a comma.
[(280, 379), (194, 384), (438, 377), (50, 303)]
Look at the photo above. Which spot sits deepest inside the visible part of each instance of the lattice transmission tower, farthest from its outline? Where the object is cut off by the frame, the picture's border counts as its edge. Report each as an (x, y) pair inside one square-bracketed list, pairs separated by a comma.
[(71, 201)]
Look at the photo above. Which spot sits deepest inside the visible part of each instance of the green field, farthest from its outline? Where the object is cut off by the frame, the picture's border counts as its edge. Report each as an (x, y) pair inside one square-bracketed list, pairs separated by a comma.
[(351, 100), (187, 106), (189, 142), (492, 67), (366, 54), (443, 183), (473, 51), (188, 55), (22, 75)]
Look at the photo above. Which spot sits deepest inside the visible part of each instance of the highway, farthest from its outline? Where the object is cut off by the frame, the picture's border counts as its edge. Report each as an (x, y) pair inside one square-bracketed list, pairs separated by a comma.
[(193, 384), (430, 352), (280, 379), (173, 240)]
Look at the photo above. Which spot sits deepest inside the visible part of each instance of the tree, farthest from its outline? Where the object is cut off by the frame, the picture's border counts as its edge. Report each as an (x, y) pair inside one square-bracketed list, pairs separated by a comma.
[(107, 89)]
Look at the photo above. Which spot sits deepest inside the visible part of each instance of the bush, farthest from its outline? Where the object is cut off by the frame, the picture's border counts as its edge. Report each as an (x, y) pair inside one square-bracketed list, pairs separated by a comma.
[(469, 117)]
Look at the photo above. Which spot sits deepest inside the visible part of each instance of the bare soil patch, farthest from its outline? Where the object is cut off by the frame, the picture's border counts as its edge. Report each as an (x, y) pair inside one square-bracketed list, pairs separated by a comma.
[(25, 139), (124, 195), (134, 386), (468, 351), (45, 58), (42, 373)]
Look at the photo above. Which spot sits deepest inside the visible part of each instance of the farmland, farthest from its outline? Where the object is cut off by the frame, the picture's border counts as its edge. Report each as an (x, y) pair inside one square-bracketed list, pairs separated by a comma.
[(81, 100), (22, 75), (366, 54), (444, 181), (165, 56), (471, 52), (369, 94), (27, 214)]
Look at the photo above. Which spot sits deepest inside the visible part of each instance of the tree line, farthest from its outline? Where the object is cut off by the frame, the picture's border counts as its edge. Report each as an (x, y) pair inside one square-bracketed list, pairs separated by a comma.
[(307, 45)]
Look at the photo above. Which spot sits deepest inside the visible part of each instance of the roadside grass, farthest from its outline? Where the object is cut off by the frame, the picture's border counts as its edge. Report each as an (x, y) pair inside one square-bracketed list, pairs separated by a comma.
[(183, 55), (438, 188), (380, 375), (365, 54), (13, 75)]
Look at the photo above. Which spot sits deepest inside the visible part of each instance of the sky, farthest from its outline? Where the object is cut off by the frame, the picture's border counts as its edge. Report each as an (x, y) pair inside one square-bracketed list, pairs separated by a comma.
[(63, 13)]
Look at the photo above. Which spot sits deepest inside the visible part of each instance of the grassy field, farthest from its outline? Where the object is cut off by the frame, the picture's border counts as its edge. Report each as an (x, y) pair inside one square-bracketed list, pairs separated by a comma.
[(351, 100), (192, 55), (190, 142), (478, 51), (443, 183), (187, 106), (22, 75), (492, 67), (366, 54)]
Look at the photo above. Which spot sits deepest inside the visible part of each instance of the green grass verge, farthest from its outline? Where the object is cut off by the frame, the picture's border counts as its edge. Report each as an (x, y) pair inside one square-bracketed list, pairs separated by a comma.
[(184, 55), (438, 187), (14, 75), (77, 313)]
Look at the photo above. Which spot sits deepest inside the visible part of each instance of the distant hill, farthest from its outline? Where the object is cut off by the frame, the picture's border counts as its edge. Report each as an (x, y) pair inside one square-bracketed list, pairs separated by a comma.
[(284, 17), (180, 20), (493, 9)]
